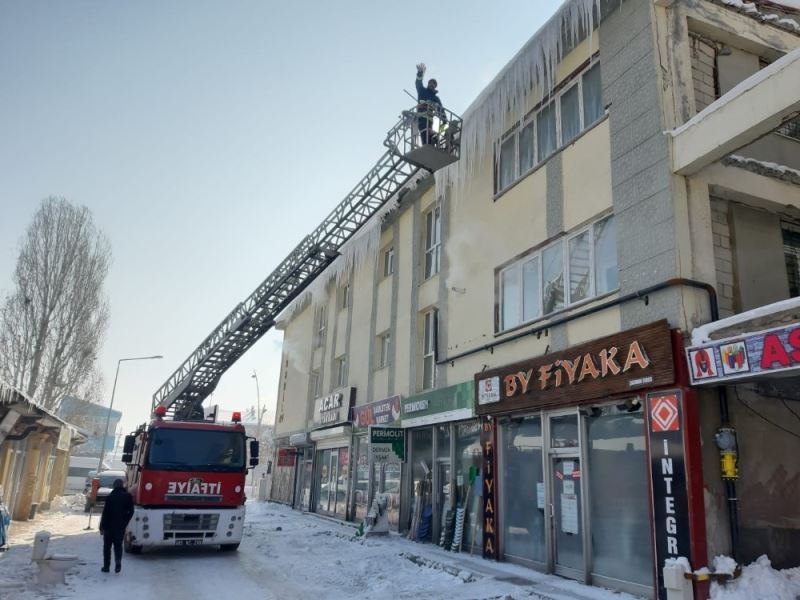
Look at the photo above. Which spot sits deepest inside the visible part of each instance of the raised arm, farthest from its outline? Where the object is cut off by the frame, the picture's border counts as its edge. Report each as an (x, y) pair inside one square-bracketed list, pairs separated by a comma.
[(420, 73)]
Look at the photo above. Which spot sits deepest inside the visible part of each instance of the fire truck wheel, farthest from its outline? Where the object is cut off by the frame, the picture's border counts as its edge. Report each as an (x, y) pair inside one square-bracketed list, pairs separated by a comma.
[(130, 547), (229, 547)]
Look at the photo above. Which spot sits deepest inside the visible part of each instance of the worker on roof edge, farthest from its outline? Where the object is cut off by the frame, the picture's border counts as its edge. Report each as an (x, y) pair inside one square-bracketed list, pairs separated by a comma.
[(429, 105)]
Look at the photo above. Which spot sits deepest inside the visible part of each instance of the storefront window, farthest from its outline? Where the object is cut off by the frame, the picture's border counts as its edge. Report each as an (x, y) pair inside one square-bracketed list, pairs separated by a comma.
[(523, 485), (468, 482), (361, 483), (343, 472), (621, 544), (322, 484), (420, 518)]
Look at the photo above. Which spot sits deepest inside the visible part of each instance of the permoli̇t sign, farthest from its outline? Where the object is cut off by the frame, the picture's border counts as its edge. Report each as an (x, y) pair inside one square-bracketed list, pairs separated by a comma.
[(387, 444), (452, 403), (333, 408)]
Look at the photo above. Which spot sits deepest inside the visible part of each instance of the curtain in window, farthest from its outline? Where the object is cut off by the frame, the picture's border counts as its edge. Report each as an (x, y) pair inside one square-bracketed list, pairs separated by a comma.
[(531, 301), (570, 115), (505, 170), (509, 285), (526, 148), (592, 96), (546, 131)]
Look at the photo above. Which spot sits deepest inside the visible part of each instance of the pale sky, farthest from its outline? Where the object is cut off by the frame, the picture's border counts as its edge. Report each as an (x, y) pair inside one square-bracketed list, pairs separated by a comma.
[(208, 137)]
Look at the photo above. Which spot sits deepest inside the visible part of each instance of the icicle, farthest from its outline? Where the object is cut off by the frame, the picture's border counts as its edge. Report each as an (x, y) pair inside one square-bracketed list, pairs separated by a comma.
[(532, 68)]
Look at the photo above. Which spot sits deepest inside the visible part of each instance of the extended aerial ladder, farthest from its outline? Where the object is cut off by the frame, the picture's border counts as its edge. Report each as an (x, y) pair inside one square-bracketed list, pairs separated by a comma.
[(192, 382)]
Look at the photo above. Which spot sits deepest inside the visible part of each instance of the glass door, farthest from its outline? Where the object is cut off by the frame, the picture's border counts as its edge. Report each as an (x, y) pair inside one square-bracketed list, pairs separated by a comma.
[(567, 533), (567, 516), (444, 505)]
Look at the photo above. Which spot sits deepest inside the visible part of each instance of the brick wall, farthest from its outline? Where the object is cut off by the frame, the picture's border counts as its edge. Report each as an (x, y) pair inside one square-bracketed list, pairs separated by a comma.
[(723, 256), (703, 72)]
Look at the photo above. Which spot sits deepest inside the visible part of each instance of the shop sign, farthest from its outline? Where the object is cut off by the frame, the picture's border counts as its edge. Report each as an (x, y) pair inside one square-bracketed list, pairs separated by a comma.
[(746, 356), (286, 457), (452, 403), (632, 359), (334, 408), (382, 412), (387, 445), (668, 478), (489, 498)]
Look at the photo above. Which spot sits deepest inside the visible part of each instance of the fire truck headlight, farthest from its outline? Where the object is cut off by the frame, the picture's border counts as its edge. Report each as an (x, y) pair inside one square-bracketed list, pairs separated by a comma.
[(233, 517), (148, 486), (145, 519), (230, 526)]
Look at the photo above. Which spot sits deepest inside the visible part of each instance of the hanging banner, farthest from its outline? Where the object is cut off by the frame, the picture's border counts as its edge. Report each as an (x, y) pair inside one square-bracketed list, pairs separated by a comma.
[(668, 479), (747, 356), (286, 457), (387, 445), (382, 412)]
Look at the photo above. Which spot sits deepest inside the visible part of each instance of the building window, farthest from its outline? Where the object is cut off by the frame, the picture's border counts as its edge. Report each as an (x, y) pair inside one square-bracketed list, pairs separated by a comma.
[(431, 325), (433, 241), (384, 343), (341, 371), (568, 271), (554, 124), (315, 383), (388, 261), (322, 321), (791, 254), (344, 296)]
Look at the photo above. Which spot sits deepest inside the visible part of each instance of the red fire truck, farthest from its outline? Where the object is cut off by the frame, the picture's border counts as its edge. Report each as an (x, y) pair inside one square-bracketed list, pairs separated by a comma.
[(187, 480)]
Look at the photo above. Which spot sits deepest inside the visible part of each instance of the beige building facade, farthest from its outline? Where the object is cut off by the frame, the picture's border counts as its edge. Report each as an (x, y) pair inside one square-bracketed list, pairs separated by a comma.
[(523, 315)]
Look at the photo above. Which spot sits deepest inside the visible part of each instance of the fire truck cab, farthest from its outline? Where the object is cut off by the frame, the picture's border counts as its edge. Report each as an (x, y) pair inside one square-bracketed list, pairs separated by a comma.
[(187, 479)]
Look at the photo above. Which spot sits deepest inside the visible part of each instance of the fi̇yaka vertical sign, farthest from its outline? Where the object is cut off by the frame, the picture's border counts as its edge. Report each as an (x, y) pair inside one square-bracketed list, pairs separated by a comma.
[(489, 499)]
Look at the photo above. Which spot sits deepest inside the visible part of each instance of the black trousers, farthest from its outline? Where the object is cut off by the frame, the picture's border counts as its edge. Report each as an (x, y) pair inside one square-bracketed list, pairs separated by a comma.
[(426, 131), (115, 538)]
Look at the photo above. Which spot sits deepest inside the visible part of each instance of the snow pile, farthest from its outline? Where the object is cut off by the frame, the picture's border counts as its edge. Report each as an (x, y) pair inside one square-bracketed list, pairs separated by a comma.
[(68, 504), (752, 10), (764, 167), (758, 580)]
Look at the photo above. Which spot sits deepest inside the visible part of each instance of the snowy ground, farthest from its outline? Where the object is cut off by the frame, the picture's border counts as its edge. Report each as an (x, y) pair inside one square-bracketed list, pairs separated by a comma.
[(284, 555)]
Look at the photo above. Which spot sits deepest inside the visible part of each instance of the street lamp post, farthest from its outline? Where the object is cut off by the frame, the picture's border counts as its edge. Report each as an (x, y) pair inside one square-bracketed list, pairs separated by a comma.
[(258, 428), (108, 418)]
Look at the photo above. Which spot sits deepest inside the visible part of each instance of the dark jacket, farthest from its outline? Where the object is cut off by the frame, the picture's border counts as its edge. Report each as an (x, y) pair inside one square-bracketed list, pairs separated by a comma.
[(428, 99), (117, 511)]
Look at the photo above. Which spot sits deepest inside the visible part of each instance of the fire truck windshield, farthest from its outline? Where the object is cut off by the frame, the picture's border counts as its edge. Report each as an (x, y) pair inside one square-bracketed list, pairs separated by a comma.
[(196, 450)]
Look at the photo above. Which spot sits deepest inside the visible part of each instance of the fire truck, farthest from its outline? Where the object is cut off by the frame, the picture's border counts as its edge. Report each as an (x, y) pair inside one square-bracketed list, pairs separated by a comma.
[(187, 479)]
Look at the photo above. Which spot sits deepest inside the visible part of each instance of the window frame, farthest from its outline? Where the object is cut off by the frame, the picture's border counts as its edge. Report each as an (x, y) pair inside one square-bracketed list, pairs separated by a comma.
[(430, 319), (341, 371), (388, 261), (315, 383), (537, 255), (553, 99), (344, 296), (384, 349), (433, 218), (322, 323)]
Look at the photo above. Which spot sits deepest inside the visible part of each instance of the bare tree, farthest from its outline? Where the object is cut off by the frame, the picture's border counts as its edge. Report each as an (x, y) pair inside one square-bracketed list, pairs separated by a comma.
[(53, 323)]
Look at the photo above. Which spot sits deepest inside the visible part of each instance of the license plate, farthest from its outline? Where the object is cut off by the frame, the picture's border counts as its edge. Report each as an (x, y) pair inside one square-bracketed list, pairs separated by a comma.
[(188, 542)]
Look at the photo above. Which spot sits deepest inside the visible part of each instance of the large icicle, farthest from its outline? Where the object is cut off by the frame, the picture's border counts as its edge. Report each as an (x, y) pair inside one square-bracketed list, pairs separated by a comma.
[(532, 68)]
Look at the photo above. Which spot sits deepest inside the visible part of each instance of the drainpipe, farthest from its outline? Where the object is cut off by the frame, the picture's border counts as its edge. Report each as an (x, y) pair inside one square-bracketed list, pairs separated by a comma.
[(725, 436)]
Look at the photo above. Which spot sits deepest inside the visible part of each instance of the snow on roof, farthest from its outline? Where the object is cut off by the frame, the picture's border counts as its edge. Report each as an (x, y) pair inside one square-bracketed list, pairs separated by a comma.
[(533, 67), (757, 12)]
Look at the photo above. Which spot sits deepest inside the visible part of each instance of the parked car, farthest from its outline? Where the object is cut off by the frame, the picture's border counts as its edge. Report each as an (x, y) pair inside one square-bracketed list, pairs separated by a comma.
[(104, 487), (81, 470)]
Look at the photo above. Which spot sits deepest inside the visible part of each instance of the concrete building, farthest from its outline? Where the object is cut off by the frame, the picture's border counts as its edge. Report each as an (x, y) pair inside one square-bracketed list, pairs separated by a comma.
[(524, 316), (34, 453)]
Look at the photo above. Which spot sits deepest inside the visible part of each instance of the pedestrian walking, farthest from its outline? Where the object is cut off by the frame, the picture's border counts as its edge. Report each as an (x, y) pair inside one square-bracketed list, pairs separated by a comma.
[(117, 512), (429, 106)]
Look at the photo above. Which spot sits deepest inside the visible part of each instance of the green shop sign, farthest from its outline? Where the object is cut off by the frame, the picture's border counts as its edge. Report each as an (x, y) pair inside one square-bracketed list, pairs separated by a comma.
[(452, 403), (387, 444)]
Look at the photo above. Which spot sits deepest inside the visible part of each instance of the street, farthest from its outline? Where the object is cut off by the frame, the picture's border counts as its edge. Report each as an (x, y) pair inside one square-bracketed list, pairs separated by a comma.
[(285, 554)]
